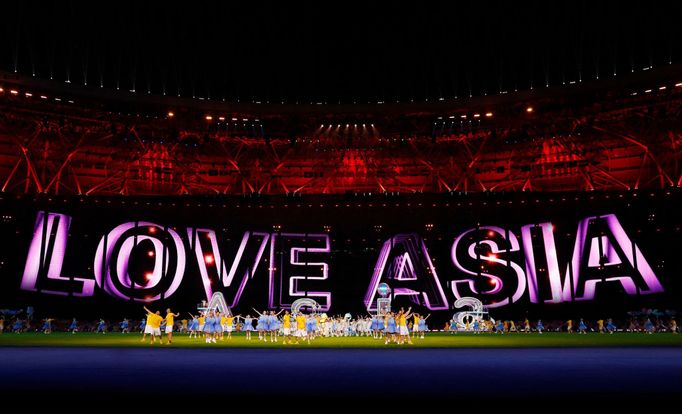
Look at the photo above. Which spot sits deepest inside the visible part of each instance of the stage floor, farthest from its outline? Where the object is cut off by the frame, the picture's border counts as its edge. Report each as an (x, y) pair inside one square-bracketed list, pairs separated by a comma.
[(524, 373)]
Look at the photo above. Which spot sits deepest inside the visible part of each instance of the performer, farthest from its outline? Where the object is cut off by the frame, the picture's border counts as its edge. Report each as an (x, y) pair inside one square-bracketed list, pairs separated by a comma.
[(247, 326), (262, 325), (415, 325), (423, 327), (391, 328), (453, 327), (193, 326), (333, 329), (375, 326), (649, 326), (540, 327), (569, 326), (402, 326), (184, 326), (229, 324), (476, 327), (47, 326), (209, 326), (499, 328), (101, 327), (600, 326), (526, 326), (673, 326), (2, 325), (317, 327), (223, 324), (326, 325), (153, 325), (143, 325), (218, 326), (512, 326), (286, 328), (310, 328), (202, 321), (582, 328), (170, 321), (18, 326), (273, 325), (610, 326), (124, 326), (381, 326), (300, 326)]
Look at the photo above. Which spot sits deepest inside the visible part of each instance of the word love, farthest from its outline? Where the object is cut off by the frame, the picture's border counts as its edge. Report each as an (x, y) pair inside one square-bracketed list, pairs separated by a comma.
[(293, 270)]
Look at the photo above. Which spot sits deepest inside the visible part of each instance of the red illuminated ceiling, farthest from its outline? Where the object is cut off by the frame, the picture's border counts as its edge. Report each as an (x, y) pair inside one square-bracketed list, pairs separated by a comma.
[(634, 144)]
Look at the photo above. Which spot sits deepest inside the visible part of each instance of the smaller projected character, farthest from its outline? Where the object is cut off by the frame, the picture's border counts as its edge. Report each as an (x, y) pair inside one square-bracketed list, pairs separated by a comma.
[(476, 318), (384, 301)]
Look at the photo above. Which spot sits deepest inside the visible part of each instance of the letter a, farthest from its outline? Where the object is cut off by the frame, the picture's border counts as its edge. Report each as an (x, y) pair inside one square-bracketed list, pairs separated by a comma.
[(405, 265)]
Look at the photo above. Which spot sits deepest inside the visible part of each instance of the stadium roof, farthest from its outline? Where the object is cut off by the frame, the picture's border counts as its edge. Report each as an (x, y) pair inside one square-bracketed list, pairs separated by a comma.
[(250, 52)]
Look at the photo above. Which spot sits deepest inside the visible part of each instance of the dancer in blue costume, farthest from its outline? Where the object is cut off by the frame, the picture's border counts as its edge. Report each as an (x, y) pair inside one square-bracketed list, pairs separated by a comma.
[(540, 327)]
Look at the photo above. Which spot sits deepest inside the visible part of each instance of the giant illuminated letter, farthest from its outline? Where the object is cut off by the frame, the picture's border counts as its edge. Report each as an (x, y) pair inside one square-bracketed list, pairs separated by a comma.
[(609, 246), (293, 275), (554, 280), (213, 267), (43, 269), (113, 255), (405, 265), (494, 293), (601, 245)]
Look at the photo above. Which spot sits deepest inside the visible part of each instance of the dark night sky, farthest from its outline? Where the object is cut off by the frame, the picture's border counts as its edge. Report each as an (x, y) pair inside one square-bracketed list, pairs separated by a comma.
[(331, 51)]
